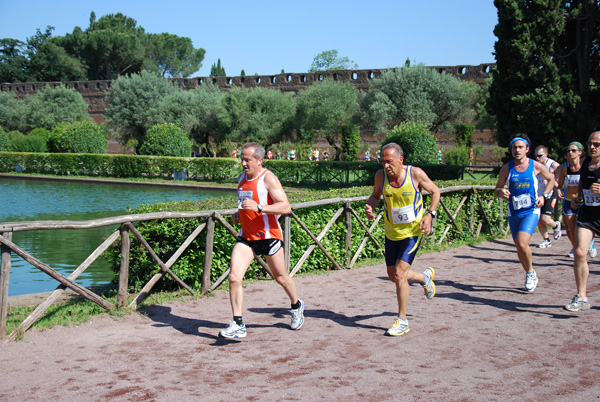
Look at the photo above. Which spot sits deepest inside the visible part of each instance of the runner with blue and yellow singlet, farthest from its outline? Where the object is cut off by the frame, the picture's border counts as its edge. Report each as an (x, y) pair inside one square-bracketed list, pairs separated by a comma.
[(524, 203), (405, 223)]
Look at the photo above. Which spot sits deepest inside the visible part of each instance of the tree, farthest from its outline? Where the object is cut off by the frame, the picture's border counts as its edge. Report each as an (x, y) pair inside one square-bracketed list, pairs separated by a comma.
[(131, 101), (4, 141), (417, 93), (330, 60), (546, 75), (350, 141), (195, 111), (13, 60), (11, 111), (262, 115), (216, 70), (52, 106), (172, 55), (111, 46), (49, 61), (325, 106)]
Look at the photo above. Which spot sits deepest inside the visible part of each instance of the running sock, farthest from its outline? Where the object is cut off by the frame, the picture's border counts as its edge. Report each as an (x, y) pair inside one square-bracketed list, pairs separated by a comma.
[(296, 305), (238, 320)]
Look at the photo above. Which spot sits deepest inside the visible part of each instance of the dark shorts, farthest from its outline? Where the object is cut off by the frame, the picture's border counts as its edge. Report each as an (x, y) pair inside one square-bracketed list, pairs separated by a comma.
[(566, 208), (403, 250), (549, 205), (262, 247), (588, 222)]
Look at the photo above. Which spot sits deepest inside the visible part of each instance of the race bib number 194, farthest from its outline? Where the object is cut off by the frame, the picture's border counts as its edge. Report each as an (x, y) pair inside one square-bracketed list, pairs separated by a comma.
[(521, 201)]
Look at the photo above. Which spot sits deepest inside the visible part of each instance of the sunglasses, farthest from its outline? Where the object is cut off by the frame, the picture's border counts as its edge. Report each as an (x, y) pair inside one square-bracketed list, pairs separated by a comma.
[(594, 143), (539, 155), (572, 150)]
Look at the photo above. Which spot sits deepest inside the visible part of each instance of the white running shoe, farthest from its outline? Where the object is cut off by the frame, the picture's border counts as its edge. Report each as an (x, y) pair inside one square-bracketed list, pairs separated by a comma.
[(531, 281), (593, 252), (400, 327), (571, 253), (578, 304), (298, 316), (556, 231), (234, 331), (428, 285), (546, 243)]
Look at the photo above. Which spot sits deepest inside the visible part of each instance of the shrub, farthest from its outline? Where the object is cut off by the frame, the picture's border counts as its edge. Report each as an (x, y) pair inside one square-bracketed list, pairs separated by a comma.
[(350, 142), (166, 140), (464, 134), (41, 132), (418, 144), (28, 143), (52, 106), (4, 142), (82, 137)]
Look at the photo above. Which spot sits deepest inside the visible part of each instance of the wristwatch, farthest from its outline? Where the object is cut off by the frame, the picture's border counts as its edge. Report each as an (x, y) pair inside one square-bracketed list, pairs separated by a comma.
[(433, 213), (547, 196), (260, 208)]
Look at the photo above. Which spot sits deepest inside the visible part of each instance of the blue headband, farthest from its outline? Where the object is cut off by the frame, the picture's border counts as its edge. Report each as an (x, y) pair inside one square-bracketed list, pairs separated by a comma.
[(519, 139)]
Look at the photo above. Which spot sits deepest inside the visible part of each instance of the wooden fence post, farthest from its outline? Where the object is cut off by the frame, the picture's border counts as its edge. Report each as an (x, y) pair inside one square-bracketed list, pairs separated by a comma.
[(472, 212), (348, 240), (4, 277), (124, 269), (208, 253)]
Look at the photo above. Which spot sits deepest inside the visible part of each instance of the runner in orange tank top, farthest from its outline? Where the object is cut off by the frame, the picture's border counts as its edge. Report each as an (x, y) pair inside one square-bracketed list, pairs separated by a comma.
[(261, 200)]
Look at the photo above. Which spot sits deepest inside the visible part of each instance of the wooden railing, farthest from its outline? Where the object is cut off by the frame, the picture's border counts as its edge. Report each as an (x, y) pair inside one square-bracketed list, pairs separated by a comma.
[(126, 225)]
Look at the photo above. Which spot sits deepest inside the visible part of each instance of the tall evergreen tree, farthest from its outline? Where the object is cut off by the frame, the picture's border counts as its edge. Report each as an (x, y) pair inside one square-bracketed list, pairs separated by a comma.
[(216, 70)]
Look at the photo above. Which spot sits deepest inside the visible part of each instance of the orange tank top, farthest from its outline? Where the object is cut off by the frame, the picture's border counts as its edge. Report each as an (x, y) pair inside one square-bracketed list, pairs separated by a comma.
[(255, 225)]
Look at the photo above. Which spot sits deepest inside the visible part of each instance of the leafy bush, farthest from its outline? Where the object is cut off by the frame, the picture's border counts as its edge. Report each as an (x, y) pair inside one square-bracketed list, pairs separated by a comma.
[(41, 132), (82, 137), (4, 142), (11, 111), (417, 142), (52, 106), (459, 156), (350, 142), (464, 134), (28, 143), (166, 140)]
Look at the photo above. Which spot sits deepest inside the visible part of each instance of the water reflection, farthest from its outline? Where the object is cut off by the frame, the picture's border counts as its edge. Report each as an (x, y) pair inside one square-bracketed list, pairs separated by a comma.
[(64, 250)]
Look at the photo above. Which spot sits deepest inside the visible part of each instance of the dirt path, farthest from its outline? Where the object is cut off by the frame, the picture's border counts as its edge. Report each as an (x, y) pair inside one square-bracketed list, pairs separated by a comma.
[(480, 338)]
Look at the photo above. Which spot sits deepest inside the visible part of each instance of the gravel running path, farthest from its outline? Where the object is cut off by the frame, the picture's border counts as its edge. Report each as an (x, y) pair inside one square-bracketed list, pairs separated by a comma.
[(480, 338)]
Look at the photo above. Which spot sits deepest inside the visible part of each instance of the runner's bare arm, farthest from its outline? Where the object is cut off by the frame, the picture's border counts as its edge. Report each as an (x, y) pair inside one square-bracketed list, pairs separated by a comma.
[(500, 191), (423, 182), (375, 196), (281, 205)]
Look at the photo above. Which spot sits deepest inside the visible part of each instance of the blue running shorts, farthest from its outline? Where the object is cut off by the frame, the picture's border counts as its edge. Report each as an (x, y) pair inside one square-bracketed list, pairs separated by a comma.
[(526, 224), (404, 250)]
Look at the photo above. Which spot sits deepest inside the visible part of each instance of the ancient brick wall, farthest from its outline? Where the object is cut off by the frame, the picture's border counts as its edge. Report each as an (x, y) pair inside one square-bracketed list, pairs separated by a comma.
[(94, 92)]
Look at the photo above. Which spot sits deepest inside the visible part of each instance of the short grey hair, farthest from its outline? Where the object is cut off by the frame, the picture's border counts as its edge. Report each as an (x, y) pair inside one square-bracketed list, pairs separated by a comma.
[(259, 150), (395, 147)]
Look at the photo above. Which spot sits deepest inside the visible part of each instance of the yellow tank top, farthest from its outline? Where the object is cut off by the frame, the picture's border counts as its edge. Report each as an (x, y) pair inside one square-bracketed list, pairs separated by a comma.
[(403, 208)]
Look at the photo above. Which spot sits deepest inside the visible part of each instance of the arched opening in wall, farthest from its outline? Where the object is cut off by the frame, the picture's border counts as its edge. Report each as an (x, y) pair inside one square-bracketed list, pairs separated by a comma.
[(229, 81), (320, 77), (243, 79), (75, 86), (303, 78), (462, 70), (185, 83), (33, 87), (85, 85), (200, 81), (289, 78), (97, 85), (441, 70), (354, 76), (214, 81), (335, 77), (371, 75), (258, 80), (109, 84), (273, 80), (486, 69)]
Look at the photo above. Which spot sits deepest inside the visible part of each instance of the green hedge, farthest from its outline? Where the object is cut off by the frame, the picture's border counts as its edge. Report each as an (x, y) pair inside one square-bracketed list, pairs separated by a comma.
[(325, 173), (166, 235)]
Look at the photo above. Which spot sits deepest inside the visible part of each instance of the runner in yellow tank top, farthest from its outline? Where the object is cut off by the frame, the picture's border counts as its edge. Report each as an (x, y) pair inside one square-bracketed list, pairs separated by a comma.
[(403, 208), (405, 222)]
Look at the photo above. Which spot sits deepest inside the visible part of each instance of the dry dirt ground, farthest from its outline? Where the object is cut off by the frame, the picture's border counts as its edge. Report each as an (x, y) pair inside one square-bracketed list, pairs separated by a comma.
[(480, 338)]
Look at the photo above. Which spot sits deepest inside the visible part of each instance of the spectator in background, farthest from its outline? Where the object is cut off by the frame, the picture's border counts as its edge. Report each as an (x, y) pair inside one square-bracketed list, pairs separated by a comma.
[(547, 210)]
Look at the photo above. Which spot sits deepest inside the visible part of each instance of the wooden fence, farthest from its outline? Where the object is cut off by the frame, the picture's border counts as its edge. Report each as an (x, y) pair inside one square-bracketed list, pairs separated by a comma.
[(126, 226)]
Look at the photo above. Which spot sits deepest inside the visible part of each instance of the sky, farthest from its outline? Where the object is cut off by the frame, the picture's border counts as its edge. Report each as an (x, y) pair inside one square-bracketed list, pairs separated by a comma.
[(263, 37)]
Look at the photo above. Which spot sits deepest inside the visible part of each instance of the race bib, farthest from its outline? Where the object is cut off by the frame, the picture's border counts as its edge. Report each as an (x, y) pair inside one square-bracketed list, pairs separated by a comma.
[(591, 199), (243, 195), (521, 201), (403, 215), (572, 180)]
